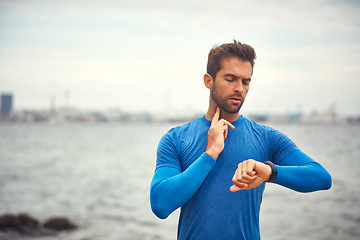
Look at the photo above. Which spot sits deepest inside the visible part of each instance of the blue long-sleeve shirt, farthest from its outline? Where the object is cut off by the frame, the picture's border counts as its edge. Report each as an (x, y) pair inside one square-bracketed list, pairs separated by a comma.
[(187, 177)]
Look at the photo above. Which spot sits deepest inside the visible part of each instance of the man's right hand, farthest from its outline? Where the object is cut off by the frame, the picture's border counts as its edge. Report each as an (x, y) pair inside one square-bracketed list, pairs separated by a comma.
[(217, 134)]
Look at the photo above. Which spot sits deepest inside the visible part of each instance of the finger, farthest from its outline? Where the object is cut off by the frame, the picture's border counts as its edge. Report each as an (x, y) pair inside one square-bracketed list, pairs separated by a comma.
[(240, 178), (234, 179), (246, 178), (225, 132), (250, 166), (235, 188), (230, 125), (216, 115), (237, 177), (244, 173), (226, 123)]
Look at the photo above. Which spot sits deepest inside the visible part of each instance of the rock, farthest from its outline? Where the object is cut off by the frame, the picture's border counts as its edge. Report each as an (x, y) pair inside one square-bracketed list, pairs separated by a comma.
[(20, 223), (59, 224), (8, 222), (12, 226), (28, 221)]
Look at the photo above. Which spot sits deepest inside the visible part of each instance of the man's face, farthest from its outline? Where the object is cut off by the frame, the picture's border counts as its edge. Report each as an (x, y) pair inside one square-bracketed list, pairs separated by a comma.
[(231, 84)]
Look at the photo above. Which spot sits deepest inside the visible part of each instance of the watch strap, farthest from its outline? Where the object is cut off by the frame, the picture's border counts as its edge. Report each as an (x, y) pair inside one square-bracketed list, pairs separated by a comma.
[(274, 171)]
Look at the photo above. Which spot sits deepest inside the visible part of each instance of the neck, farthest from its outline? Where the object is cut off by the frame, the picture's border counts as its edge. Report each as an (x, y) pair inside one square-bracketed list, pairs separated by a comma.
[(230, 117)]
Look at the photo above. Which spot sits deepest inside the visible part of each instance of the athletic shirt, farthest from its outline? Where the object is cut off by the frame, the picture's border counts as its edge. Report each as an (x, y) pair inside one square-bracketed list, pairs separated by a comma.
[(214, 212)]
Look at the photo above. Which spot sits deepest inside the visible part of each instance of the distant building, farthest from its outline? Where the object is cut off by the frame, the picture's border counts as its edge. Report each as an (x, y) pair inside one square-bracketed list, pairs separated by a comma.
[(6, 104)]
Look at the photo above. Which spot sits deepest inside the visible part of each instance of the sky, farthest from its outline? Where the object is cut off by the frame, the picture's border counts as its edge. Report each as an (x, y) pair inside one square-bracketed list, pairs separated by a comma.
[(151, 55)]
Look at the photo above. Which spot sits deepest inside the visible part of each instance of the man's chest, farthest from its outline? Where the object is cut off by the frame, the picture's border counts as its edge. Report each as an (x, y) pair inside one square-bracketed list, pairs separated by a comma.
[(238, 147)]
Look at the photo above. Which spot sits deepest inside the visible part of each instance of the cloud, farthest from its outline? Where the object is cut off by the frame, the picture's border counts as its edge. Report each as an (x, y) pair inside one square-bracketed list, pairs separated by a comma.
[(157, 49)]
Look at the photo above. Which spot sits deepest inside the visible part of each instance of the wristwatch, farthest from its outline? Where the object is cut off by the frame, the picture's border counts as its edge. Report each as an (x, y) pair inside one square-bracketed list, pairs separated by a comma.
[(274, 171)]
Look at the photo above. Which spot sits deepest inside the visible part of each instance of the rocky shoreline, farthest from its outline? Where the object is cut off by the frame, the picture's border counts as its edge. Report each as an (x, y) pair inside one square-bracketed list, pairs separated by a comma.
[(25, 225)]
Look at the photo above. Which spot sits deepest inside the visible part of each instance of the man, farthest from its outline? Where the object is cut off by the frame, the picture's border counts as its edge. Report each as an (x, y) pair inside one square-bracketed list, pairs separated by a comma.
[(216, 166)]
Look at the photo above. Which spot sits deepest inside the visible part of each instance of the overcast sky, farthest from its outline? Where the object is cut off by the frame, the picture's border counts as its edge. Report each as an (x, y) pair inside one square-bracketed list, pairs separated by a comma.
[(151, 55)]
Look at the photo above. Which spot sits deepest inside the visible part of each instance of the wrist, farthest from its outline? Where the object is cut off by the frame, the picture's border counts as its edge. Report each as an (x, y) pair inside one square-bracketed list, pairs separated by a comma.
[(212, 153), (274, 171)]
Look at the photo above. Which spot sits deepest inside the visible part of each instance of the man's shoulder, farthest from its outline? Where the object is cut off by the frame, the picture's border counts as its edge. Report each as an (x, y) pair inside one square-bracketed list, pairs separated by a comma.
[(259, 126), (196, 123), (189, 130)]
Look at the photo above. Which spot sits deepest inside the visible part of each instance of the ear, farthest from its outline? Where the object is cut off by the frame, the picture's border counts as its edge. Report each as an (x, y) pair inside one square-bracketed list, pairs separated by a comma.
[(208, 80)]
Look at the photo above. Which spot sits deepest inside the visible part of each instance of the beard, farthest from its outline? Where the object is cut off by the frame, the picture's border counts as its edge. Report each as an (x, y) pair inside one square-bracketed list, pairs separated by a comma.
[(223, 103)]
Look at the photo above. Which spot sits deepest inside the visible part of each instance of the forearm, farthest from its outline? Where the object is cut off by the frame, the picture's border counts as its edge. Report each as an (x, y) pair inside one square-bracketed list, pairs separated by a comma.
[(300, 173), (170, 188)]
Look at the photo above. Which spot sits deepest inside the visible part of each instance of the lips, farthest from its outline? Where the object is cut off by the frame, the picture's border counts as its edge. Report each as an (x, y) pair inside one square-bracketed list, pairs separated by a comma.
[(235, 100)]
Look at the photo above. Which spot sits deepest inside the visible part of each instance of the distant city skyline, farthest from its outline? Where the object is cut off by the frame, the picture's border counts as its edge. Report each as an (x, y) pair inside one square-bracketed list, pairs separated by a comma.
[(151, 55), (6, 103)]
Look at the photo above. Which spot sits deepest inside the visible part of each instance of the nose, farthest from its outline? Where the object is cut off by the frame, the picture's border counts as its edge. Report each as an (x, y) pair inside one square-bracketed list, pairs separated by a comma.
[(239, 88)]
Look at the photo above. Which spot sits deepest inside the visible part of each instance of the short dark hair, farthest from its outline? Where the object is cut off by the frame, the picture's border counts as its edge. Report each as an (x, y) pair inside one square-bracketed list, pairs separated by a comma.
[(236, 49)]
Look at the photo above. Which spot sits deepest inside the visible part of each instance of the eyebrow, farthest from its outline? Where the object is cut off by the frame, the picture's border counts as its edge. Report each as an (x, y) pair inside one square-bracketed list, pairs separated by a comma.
[(235, 76)]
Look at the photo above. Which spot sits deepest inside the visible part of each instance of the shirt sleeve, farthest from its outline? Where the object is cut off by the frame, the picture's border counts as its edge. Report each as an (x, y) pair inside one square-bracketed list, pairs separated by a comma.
[(281, 146), (171, 188), (168, 151), (296, 170), (301, 173)]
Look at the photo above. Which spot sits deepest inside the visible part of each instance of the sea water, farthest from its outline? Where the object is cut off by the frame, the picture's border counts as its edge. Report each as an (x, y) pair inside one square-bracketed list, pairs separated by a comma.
[(98, 175)]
